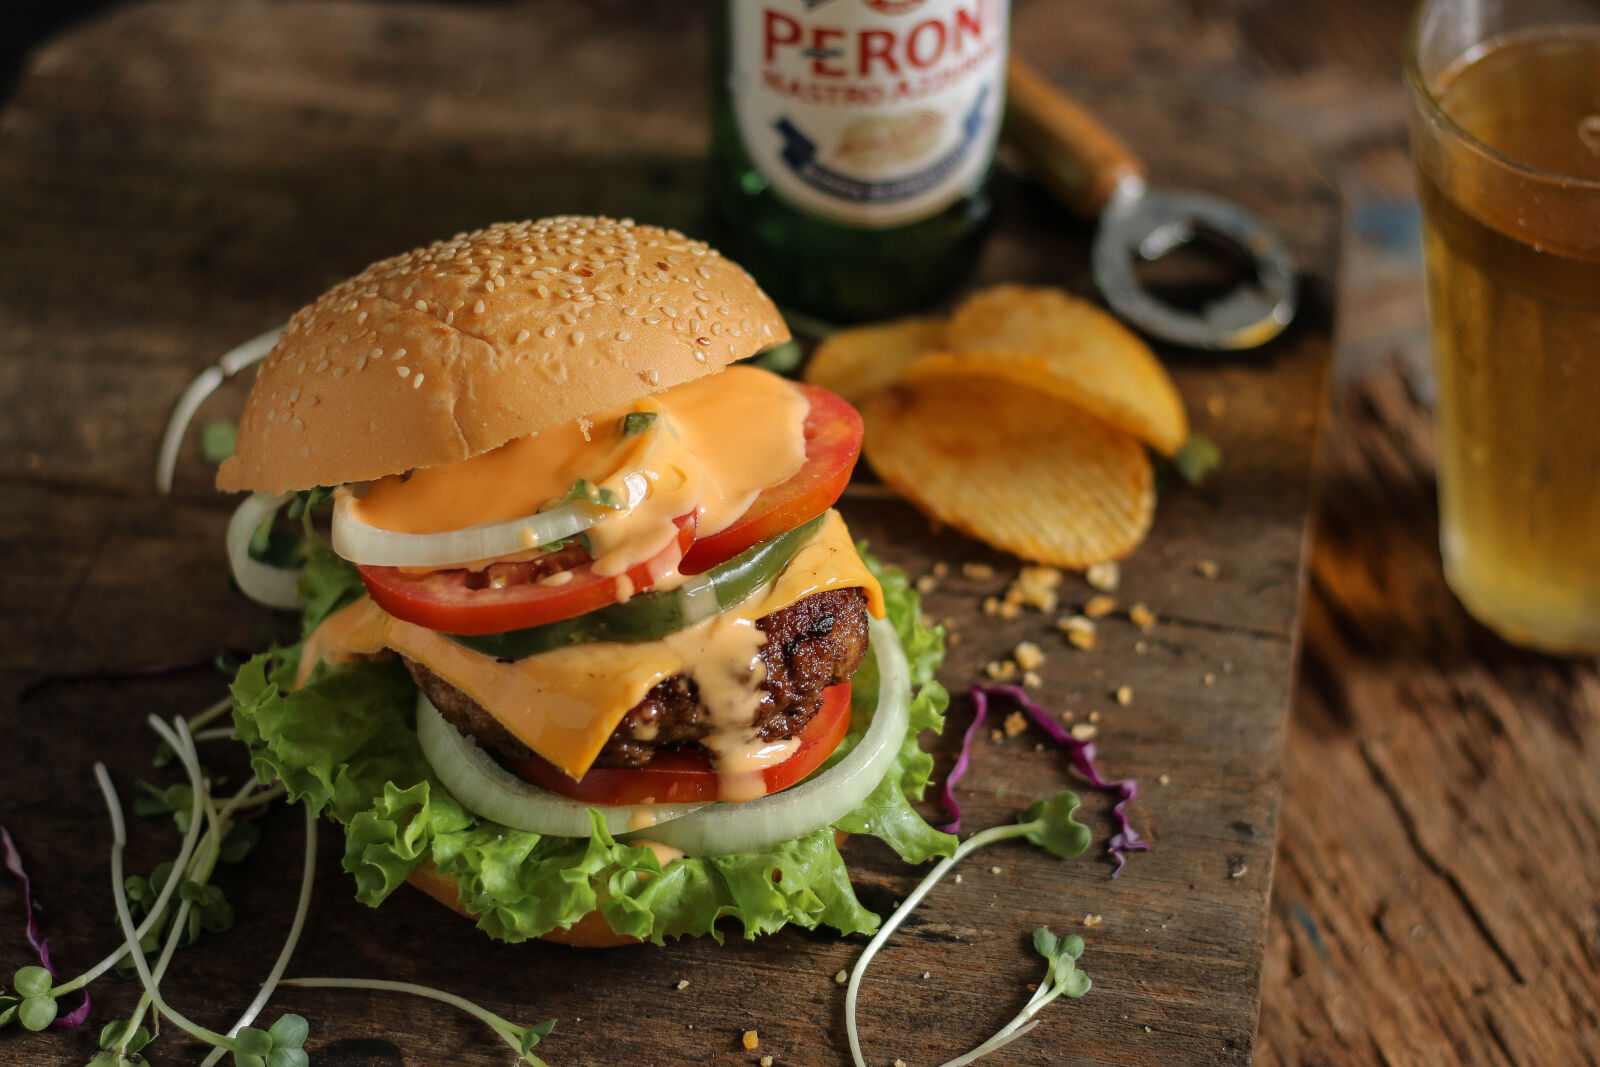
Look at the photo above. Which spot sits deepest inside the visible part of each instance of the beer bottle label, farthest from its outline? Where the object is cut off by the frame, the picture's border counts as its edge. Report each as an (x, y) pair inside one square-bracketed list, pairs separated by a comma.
[(874, 113)]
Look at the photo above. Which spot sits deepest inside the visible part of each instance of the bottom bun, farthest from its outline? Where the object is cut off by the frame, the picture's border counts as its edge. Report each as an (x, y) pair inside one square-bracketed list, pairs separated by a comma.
[(591, 931)]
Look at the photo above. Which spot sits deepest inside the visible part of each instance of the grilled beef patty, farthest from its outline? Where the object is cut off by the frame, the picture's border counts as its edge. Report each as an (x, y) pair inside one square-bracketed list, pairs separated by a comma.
[(813, 643)]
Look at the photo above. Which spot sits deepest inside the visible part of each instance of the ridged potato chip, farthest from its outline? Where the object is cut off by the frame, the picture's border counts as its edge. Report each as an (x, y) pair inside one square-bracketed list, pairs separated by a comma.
[(1060, 345), (857, 362), (1045, 481)]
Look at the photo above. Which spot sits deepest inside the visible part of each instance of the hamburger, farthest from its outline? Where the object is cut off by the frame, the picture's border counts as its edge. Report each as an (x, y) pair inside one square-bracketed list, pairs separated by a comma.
[(587, 654)]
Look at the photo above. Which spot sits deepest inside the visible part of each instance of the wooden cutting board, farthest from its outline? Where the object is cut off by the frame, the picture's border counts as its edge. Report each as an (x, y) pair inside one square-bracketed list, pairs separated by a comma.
[(179, 176)]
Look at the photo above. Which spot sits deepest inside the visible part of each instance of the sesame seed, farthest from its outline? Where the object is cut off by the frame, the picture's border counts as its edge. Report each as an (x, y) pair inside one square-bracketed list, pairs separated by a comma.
[(338, 372), (399, 353), (299, 425), (416, 383), (477, 309), (652, 320), (322, 366), (577, 338), (421, 305), (548, 331), (543, 291), (522, 335), (272, 414), (404, 372)]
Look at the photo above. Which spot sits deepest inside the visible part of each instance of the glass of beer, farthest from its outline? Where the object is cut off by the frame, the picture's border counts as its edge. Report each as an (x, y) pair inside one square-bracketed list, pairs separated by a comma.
[(1506, 137)]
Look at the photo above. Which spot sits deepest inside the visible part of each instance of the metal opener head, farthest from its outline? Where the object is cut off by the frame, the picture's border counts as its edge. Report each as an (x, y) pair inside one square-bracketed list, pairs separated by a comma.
[(1145, 224)]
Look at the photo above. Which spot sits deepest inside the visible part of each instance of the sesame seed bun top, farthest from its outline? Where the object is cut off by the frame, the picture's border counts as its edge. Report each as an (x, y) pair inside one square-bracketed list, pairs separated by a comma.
[(454, 349)]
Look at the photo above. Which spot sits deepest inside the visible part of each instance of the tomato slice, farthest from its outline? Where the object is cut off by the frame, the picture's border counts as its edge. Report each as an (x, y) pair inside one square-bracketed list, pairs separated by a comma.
[(511, 596), (683, 776), (833, 441)]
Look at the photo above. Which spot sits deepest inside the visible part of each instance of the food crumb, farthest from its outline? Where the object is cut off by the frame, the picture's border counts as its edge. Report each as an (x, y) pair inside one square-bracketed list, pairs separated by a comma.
[(1141, 647), (750, 1039), (1094, 716), (1209, 679), (927, 584), (841, 977), (941, 569), (1084, 731), (1125, 695), (683, 983), (996, 870), (1068, 715), (978, 572), (899, 1063), (1031, 679), (1000, 671), (1015, 724), (1215, 405), (1237, 867), (1142, 617), (1027, 655), (1079, 630), (1098, 607), (1035, 587), (958, 879), (766, 1061), (1104, 576), (1039, 747), (1207, 568), (927, 974), (996, 736), (1165, 779), (1092, 920)]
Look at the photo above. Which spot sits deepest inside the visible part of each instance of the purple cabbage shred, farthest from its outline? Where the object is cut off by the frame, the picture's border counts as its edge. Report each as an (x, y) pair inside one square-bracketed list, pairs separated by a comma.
[(1080, 753), (40, 945)]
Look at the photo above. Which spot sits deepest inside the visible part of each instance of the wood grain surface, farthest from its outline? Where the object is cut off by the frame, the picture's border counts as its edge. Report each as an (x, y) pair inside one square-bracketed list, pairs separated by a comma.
[(166, 160)]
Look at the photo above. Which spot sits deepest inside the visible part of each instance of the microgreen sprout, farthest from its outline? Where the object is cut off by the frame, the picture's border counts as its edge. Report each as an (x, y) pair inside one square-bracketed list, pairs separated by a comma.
[(1048, 824), (1061, 977), (278, 1046), (522, 1039), (11, 1005)]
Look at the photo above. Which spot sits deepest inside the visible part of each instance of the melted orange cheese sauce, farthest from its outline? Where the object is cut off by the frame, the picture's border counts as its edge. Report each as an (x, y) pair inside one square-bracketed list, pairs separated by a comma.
[(714, 445), (564, 704)]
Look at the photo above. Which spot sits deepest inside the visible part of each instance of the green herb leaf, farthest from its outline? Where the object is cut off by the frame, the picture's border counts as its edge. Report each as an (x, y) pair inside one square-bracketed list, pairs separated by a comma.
[(1052, 827), (115, 1033), (290, 1031), (242, 838), (598, 495), (636, 422), (217, 440), (1197, 460), (37, 1012), (288, 1057), (252, 1041), (32, 981), (8, 1008)]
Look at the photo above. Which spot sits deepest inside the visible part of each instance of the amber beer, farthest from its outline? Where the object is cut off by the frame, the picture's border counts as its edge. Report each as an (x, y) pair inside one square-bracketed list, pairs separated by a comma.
[(852, 144), (1508, 153)]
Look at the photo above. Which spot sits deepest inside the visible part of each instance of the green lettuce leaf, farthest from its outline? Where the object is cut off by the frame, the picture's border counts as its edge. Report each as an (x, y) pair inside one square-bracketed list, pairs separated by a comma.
[(346, 744)]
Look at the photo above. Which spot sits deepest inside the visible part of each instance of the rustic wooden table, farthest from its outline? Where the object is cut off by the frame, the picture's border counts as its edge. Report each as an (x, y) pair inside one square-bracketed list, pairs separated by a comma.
[(179, 175)]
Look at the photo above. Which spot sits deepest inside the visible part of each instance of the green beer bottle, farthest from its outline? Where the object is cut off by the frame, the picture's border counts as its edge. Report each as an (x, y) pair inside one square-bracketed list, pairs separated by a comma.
[(852, 144)]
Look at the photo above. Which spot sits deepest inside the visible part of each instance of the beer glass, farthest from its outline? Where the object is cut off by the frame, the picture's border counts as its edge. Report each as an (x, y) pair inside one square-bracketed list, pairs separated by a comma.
[(1506, 138)]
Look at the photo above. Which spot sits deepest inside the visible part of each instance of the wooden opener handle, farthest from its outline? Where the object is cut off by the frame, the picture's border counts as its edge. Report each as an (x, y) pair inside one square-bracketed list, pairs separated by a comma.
[(1077, 160)]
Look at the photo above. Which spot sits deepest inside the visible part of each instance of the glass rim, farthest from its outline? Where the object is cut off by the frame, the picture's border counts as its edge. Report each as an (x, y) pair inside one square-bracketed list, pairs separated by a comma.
[(1426, 97)]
